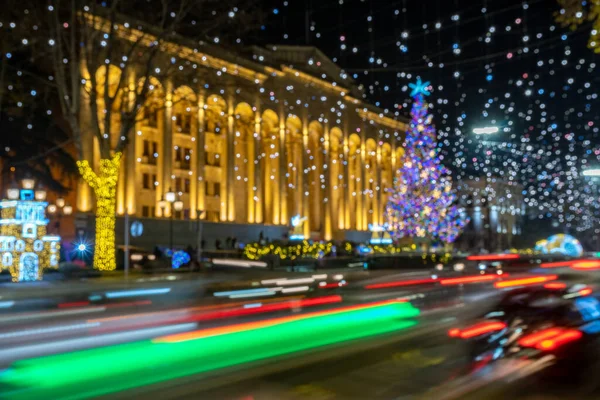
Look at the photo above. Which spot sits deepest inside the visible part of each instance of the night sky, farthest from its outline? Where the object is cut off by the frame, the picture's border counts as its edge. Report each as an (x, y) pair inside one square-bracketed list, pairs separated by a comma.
[(491, 63)]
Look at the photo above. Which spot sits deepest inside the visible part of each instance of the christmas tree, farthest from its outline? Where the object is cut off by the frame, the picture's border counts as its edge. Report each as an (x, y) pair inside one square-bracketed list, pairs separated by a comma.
[(421, 203)]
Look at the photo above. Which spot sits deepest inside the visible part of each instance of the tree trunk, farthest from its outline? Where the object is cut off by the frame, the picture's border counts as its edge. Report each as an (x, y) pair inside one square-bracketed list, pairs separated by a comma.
[(104, 254), (104, 184)]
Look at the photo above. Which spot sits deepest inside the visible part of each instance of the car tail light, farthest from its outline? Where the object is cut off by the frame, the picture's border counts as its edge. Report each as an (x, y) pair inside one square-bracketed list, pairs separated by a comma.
[(550, 339), (557, 341), (555, 285), (477, 329), (586, 264), (534, 280), (585, 292)]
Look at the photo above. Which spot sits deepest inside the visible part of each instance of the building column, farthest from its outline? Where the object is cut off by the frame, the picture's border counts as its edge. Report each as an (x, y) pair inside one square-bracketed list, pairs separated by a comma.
[(130, 159), (84, 192), (197, 199), (167, 147), (302, 186), (259, 193), (346, 174), (362, 200), (378, 217), (326, 222), (229, 195), (252, 168), (285, 215)]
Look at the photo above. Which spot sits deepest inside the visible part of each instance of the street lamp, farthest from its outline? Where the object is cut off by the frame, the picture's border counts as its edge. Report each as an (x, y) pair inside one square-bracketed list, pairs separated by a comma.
[(40, 195), (59, 209), (12, 193), (170, 197), (199, 237), (488, 130), (27, 183), (594, 172)]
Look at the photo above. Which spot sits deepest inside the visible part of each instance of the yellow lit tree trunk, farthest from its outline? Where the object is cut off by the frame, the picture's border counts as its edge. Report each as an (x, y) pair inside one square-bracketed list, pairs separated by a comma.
[(104, 184)]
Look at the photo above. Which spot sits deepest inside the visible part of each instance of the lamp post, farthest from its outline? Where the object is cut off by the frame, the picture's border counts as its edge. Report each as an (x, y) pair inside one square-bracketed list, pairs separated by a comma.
[(488, 130), (163, 205), (199, 235), (593, 173), (176, 205), (59, 209)]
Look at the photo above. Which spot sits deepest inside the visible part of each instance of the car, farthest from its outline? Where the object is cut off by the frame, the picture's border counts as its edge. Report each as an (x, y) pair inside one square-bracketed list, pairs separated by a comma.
[(554, 326)]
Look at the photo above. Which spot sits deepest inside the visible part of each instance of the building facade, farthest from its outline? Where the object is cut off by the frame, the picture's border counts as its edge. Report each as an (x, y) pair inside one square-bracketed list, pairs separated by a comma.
[(255, 139), (496, 210)]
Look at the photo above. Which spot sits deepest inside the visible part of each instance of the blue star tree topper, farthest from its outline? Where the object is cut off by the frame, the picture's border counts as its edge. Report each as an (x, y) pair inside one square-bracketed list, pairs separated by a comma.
[(419, 87)]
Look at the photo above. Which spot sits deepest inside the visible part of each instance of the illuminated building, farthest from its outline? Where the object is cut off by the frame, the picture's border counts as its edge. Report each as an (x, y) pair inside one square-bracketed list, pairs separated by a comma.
[(496, 210), (25, 249), (256, 139)]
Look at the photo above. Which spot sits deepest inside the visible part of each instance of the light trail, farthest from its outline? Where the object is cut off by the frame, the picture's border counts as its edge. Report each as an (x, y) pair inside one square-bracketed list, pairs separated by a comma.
[(42, 331), (42, 349), (98, 372), (134, 293)]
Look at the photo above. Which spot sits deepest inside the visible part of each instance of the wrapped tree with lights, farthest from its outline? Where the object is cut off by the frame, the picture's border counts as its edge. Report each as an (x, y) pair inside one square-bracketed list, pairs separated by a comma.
[(421, 203), (103, 60)]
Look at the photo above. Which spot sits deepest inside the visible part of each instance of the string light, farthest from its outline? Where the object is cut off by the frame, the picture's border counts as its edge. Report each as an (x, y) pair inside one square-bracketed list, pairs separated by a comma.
[(25, 249), (421, 202), (104, 185)]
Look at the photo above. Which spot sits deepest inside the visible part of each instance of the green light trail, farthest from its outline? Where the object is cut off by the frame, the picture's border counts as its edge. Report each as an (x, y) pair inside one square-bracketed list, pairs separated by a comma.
[(101, 371)]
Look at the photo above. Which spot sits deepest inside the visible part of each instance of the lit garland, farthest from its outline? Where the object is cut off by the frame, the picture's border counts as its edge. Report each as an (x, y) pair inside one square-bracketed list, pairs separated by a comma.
[(255, 251), (421, 202), (25, 249), (104, 185)]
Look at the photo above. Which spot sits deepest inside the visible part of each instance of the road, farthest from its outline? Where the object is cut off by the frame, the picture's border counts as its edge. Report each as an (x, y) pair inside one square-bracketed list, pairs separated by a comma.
[(377, 337)]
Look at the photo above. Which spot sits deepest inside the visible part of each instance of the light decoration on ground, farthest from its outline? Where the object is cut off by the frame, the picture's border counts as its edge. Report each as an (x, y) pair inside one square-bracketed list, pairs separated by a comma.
[(421, 202), (297, 223), (292, 251), (179, 258), (104, 185), (560, 244), (25, 249), (380, 234)]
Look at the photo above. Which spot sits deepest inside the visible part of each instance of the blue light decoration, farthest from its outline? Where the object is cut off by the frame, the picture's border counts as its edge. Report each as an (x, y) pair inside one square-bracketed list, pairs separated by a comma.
[(179, 258), (560, 244), (379, 235), (25, 248), (297, 223), (422, 203), (419, 88)]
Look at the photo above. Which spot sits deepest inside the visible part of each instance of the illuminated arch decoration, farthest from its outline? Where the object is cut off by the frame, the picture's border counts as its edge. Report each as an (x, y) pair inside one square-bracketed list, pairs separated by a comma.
[(560, 244), (25, 249)]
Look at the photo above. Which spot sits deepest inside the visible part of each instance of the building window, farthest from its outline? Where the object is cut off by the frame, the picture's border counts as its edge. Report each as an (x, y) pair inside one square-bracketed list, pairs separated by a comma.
[(150, 152), (212, 159), (146, 181), (151, 117), (152, 211), (145, 211), (178, 184), (186, 186), (212, 216), (177, 214), (183, 123), (213, 188)]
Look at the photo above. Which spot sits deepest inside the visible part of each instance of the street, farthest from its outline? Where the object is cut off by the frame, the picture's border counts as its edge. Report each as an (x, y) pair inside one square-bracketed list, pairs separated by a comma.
[(382, 336)]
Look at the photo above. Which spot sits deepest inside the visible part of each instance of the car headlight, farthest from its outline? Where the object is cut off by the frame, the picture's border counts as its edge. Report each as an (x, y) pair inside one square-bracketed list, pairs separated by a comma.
[(439, 267), (459, 266)]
